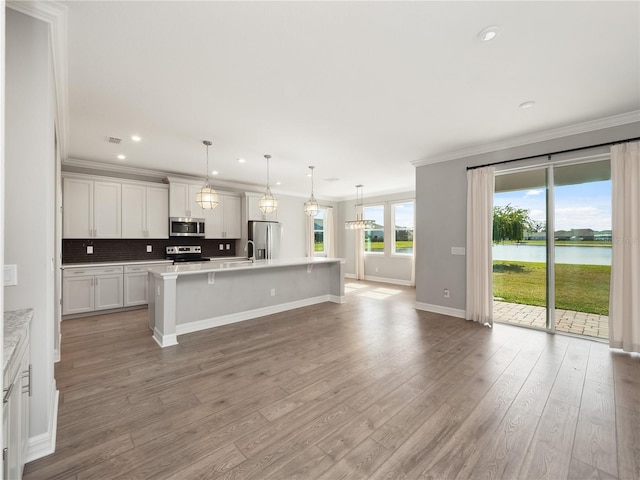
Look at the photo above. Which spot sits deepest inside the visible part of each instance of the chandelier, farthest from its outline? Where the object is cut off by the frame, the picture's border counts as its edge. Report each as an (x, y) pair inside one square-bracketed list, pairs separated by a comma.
[(311, 206), (359, 223), (207, 197), (268, 203)]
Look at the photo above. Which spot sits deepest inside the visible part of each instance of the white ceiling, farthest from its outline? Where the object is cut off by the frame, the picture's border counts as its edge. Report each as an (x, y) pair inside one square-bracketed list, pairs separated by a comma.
[(358, 89)]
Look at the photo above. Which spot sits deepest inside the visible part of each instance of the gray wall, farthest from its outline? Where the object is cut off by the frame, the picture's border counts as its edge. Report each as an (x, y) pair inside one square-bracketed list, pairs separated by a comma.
[(29, 201), (441, 191), (394, 269)]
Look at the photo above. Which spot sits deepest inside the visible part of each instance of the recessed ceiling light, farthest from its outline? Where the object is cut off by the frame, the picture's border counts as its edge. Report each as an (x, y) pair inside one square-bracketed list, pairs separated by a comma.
[(135, 138), (527, 104), (278, 183), (121, 157), (308, 174), (215, 172), (488, 33), (241, 160)]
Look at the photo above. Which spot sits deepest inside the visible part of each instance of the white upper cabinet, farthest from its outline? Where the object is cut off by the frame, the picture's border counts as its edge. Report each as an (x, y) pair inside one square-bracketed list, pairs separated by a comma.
[(96, 207), (77, 220), (157, 212), (224, 221), (182, 200), (232, 217), (145, 211), (91, 209)]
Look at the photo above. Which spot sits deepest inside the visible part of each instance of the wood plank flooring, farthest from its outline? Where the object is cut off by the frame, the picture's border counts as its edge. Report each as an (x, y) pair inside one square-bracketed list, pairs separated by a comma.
[(369, 389)]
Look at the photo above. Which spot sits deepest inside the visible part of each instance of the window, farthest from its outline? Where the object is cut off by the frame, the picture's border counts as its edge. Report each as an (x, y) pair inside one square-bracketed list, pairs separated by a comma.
[(403, 228), (374, 237), (318, 233)]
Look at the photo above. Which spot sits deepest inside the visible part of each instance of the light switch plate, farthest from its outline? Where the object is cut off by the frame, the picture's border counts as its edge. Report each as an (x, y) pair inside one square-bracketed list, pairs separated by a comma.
[(457, 250), (10, 275)]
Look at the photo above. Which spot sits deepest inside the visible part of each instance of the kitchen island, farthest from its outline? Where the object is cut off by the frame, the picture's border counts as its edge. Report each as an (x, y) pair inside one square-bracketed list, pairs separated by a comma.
[(196, 296)]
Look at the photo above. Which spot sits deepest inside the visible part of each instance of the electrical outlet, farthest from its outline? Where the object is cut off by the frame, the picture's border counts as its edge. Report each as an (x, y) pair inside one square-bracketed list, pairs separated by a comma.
[(221, 247), (149, 249), (446, 293), (89, 249), (228, 246), (273, 292)]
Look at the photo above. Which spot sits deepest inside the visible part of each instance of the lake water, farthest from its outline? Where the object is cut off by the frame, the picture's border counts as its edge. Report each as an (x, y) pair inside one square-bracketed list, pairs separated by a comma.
[(566, 254)]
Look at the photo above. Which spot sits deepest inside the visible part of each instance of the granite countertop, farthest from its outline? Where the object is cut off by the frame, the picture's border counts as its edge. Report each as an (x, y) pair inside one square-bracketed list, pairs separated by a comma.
[(140, 262), (235, 265), (16, 324)]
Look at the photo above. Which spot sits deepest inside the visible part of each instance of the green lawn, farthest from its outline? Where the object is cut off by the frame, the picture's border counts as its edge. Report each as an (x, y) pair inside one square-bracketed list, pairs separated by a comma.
[(379, 246), (583, 288), (560, 243)]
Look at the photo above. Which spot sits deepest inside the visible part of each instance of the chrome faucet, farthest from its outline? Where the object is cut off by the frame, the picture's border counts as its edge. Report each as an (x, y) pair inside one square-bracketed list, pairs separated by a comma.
[(246, 248)]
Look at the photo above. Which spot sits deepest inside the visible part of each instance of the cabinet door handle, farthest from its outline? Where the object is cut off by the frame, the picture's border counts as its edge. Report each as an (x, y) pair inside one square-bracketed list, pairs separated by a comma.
[(7, 393)]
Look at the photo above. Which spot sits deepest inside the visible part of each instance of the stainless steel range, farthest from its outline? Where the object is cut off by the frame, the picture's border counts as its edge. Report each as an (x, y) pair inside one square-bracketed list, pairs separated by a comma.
[(183, 253)]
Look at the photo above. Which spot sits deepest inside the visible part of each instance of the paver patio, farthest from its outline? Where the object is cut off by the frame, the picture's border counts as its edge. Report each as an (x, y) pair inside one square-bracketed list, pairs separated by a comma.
[(581, 323)]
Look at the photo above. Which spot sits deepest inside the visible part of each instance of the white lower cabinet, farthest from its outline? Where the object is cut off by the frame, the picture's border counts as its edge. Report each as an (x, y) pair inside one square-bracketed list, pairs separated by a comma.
[(88, 289), (15, 411), (91, 288), (136, 283)]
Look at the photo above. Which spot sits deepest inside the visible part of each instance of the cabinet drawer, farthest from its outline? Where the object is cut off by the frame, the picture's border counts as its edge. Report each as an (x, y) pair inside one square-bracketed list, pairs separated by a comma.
[(90, 271), (143, 267)]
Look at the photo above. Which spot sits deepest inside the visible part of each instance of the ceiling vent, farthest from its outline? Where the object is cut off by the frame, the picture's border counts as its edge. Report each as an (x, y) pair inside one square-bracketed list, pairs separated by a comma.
[(115, 140), (332, 179)]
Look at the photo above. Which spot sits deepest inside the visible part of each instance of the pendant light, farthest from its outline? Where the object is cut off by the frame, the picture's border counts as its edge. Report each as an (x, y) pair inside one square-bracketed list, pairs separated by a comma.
[(207, 197), (359, 223), (268, 203), (311, 206)]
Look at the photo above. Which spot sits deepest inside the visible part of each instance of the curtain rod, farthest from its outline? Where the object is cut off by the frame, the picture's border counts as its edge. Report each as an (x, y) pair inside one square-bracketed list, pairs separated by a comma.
[(554, 153)]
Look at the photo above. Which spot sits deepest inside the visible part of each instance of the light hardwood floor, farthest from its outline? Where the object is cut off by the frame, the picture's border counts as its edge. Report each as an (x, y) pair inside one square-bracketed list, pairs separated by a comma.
[(368, 389)]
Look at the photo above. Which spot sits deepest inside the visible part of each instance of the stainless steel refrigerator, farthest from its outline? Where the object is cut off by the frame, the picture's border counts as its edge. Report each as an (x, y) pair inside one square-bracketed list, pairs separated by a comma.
[(266, 238)]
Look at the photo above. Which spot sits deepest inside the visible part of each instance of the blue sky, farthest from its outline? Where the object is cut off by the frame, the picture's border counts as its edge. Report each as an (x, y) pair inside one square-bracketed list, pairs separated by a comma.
[(587, 205)]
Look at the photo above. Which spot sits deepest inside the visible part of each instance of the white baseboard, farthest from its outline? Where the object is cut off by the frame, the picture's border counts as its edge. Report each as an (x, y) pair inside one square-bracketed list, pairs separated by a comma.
[(250, 314), (452, 312), (337, 299), (56, 355), (406, 283), (394, 281), (165, 340), (45, 443)]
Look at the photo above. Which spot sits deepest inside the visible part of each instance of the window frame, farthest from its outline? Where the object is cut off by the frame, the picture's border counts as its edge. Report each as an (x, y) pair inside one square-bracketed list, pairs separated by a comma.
[(384, 231), (394, 230), (322, 253)]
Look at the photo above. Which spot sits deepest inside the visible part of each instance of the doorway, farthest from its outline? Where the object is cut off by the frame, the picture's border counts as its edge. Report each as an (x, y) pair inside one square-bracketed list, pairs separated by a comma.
[(552, 247)]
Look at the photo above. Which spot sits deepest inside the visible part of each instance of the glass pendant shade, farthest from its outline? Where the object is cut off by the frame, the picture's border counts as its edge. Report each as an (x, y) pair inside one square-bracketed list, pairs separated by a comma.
[(207, 197), (268, 203), (311, 206)]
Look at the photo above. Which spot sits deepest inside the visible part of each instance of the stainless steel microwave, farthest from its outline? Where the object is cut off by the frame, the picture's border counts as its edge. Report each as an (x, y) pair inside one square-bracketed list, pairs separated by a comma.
[(186, 227)]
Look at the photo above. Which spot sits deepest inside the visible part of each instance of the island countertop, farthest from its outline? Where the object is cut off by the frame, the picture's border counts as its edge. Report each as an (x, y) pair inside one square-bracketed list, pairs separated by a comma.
[(235, 265)]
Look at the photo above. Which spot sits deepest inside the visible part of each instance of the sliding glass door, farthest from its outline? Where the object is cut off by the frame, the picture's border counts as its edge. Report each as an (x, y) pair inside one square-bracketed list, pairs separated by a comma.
[(552, 248)]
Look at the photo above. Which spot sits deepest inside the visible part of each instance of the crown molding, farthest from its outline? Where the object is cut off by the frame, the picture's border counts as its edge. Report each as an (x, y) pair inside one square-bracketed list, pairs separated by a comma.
[(54, 14), (585, 127)]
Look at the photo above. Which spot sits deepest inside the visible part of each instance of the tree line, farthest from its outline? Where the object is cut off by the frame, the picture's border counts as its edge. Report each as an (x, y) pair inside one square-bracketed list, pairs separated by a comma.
[(510, 223)]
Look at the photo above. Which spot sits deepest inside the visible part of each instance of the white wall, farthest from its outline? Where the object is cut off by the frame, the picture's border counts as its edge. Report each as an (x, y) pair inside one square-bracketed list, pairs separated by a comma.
[(441, 196), (387, 267), (29, 206)]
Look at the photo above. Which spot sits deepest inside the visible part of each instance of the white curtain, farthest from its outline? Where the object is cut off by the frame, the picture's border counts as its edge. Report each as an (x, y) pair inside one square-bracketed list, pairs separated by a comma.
[(624, 299), (329, 234), (309, 237), (480, 187), (359, 235)]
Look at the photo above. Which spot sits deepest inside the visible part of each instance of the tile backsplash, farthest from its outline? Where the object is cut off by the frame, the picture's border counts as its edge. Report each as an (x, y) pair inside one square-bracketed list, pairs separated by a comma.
[(116, 249)]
